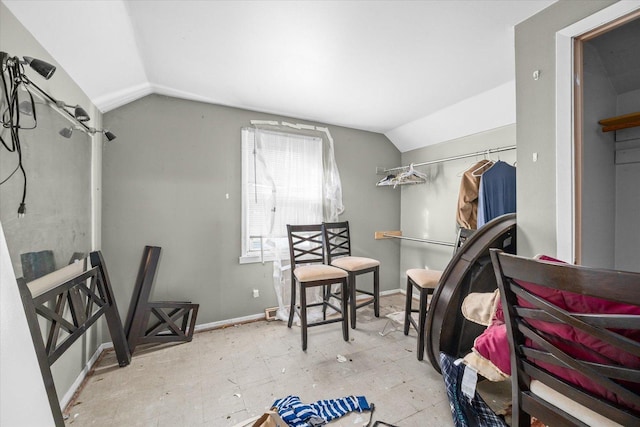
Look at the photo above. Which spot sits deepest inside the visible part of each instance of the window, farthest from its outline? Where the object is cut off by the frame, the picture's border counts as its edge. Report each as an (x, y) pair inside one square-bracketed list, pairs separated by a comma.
[(282, 183)]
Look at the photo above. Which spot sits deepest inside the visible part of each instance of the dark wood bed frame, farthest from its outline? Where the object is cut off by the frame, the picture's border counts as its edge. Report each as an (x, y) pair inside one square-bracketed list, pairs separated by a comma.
[(469, 270), (156, 321), (532, 342), (71, 299)]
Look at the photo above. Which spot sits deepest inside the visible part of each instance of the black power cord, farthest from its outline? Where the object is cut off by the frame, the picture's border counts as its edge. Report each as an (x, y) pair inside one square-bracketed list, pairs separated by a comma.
[(11, 118)]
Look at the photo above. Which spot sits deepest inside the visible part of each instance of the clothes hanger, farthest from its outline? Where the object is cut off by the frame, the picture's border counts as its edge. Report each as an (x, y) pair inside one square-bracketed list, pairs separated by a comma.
[(471, 166), (416, 173), (387, 180), (484, 167), (405, 174), (410, 176)]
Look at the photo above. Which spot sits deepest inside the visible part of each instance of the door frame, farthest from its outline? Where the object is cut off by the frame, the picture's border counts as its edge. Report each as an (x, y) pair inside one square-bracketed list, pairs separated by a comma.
[(569, 120)]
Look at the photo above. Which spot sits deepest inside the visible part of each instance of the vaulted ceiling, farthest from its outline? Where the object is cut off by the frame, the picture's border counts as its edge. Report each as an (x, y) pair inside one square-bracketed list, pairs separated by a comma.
[(394, 67)]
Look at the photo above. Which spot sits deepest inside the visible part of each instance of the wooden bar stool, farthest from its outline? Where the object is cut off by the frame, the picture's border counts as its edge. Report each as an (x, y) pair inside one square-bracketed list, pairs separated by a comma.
[(338, 243), (306, 249), (425, 281)]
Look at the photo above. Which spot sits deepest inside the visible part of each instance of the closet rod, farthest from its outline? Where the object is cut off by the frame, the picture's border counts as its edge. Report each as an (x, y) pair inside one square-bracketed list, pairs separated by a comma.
[(415, 239), (461, 156)]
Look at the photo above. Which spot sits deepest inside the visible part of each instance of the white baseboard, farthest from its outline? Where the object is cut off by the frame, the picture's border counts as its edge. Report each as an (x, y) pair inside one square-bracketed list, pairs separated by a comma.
[(253, 317), (228, 322), (392, 292), (68, 396)]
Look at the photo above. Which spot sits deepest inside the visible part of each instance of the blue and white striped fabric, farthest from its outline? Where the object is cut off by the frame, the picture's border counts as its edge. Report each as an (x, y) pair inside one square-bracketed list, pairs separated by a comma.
[(465, 412), (298, 414)]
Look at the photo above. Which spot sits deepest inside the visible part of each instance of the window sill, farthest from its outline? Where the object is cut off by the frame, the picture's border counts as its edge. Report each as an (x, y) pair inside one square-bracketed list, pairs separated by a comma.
[(252, 259)]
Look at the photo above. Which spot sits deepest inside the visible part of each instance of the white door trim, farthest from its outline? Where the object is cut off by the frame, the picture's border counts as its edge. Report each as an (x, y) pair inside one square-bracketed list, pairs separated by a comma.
[(565, 200)]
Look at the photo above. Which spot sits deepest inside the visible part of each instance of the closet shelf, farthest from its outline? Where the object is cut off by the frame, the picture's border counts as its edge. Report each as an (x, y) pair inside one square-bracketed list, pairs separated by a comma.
[(620, 122)]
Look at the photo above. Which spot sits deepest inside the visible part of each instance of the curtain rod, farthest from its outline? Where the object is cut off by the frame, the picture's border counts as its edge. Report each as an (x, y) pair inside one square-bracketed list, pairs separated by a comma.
[(461, 156)]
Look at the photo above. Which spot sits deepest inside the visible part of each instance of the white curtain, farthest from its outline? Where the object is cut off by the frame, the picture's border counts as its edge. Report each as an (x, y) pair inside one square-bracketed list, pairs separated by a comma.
[(289, 179), (310, 158)]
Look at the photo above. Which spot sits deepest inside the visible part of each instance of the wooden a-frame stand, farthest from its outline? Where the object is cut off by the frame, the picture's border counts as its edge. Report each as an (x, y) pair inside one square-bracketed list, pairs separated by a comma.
[(156, 322)]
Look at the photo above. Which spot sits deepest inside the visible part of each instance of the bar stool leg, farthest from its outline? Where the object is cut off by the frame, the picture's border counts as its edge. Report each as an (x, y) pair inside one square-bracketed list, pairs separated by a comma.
[(303, 316), (421, 322), (351, 285), (345, 325), (326, 296), (407, 309), (376, 292), (292, 307)]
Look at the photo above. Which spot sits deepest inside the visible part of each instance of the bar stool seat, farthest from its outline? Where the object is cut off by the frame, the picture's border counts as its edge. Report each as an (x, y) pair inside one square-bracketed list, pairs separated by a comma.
[(355, 263), (425, 282), (310, 273)]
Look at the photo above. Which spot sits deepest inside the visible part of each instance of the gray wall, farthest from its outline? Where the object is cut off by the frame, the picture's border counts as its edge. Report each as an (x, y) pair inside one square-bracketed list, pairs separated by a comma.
[(598, 195), (59, 216), (58, 203), (535, 113), (429, 210), (165, 181), (627, 256)]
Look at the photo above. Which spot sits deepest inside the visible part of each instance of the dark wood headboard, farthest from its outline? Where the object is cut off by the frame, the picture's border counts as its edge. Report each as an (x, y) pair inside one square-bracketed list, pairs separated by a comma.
[(70, 299), (469, 270)]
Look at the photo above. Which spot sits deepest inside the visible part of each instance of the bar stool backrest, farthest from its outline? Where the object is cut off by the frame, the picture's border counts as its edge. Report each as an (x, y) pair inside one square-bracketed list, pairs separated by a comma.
[(306, 244), (338, 240)]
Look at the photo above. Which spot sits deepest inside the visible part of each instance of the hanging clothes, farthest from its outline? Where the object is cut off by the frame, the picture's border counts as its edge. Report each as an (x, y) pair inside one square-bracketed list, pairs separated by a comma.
[(497, 194), (467, 214)]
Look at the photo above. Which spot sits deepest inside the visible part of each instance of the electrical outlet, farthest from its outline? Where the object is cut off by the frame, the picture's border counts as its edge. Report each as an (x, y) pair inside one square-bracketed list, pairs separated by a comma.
[(256, 293)]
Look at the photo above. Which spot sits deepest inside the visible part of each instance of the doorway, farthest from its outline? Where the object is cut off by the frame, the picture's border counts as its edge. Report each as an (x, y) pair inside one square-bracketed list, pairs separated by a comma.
[(607, 157), (588, 178)]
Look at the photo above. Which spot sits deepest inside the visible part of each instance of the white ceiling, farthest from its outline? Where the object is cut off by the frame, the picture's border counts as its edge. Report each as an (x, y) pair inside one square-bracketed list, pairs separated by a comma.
[(619, 52), (394, 67)]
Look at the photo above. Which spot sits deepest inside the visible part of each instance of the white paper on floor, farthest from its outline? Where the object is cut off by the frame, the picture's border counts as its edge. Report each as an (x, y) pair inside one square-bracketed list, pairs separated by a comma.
[(395, 319)]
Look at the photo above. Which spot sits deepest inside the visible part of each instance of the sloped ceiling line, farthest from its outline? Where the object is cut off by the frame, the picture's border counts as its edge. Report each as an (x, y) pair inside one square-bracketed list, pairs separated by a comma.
[(392, 67)]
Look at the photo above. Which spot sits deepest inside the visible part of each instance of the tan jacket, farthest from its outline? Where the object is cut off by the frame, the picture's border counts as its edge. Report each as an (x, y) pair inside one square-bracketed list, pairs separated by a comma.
[(467, 214)]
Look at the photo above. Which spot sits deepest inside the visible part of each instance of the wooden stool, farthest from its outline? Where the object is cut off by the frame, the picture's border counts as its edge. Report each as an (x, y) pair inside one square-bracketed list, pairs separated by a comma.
[(338, 243), (425, 281), (306, 250)]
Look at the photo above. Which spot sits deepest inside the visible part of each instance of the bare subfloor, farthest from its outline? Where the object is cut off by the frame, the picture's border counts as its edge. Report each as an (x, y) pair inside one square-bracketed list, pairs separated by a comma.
[(229, 375)]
